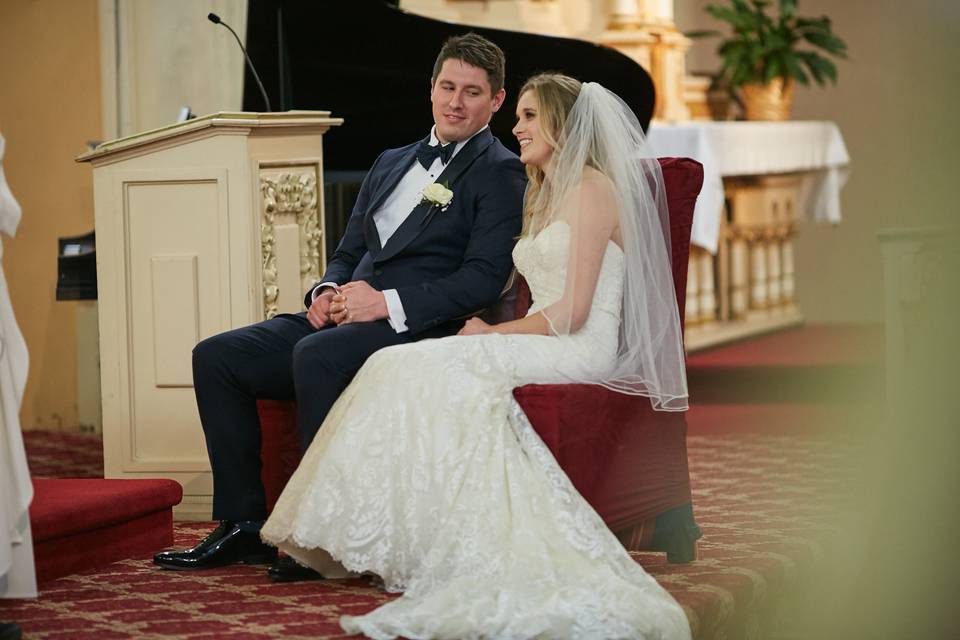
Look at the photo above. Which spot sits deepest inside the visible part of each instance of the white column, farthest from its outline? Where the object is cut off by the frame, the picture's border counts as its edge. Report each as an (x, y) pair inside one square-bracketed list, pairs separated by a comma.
[(692, 311), (625, 13), (787, 275), (708, 298), (758, 274), (659, 11), (666, 10), (739, 278), (774, 282)]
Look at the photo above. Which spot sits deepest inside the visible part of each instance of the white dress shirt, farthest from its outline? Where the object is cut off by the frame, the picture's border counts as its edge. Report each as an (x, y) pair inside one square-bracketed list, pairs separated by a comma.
[(399, 204)]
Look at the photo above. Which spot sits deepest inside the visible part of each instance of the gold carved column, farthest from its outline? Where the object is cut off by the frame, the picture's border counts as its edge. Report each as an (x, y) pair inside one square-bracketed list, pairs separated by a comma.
[(291, 235)]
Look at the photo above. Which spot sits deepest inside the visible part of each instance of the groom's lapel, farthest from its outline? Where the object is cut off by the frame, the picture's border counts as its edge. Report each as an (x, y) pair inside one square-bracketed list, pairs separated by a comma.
[(421, 215), (370, 234), (385, 188), (462, 161)]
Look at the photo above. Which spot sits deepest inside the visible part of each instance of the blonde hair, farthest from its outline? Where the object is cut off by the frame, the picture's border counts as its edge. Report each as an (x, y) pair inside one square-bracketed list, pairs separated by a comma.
[(555, 94)]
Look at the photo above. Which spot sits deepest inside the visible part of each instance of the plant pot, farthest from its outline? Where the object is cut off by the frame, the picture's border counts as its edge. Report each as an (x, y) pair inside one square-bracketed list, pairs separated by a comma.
[(720, 104), (771, 101)]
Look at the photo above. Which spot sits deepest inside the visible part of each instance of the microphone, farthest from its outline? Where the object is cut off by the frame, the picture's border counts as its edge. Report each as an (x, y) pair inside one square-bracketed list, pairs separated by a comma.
[(215, 19)]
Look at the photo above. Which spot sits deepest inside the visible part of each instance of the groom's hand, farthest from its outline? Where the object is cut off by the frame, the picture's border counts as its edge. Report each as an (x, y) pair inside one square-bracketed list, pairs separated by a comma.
[(319, 312), (358, 302)]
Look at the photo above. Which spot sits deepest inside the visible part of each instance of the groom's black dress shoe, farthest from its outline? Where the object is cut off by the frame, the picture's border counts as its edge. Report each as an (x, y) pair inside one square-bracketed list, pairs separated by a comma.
[(286, 569), (227, 544)]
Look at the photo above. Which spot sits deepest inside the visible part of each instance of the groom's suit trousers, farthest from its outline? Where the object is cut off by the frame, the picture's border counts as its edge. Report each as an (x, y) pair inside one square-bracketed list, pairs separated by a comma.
[(283, 358)]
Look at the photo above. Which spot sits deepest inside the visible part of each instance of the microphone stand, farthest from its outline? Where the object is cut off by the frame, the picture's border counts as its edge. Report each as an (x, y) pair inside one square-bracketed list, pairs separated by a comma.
[(215, 19)]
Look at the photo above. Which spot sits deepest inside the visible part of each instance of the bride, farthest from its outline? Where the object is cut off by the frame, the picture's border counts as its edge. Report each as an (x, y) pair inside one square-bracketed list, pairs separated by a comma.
[(428, 474)]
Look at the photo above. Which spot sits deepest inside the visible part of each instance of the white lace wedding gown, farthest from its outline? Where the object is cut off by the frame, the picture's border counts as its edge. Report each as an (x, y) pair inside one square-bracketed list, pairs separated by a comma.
[(427, 473)]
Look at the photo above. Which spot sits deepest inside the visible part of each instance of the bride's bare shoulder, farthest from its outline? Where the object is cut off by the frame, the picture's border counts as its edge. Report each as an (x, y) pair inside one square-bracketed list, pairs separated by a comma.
[(598, 195), (597, 182), (598, 187)]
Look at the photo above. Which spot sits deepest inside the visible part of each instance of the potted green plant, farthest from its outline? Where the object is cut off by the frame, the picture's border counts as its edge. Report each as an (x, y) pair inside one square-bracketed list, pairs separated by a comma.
[(763, 58)]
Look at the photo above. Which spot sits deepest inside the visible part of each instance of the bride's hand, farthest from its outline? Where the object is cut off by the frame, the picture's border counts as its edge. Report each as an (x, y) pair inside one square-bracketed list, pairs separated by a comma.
[(475, 327)]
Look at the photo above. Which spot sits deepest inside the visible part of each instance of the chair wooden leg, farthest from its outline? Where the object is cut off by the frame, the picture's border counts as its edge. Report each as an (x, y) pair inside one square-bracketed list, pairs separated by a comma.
[(677, 533), (684, 554), (673, 531)]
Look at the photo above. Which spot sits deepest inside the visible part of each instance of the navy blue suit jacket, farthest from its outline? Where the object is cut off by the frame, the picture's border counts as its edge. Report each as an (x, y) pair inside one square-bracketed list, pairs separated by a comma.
[(444, 264)]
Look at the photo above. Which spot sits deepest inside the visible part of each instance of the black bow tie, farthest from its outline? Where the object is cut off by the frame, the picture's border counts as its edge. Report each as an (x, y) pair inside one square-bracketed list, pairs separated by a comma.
[(426, 154)]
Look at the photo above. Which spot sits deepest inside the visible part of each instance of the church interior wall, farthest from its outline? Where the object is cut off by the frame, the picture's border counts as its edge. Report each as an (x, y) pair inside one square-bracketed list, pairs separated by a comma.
[(895, 104), (49, 110)]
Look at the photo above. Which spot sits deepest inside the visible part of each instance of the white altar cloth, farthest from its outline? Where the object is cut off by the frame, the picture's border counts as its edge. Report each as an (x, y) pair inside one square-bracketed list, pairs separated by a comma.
[(725, 149)]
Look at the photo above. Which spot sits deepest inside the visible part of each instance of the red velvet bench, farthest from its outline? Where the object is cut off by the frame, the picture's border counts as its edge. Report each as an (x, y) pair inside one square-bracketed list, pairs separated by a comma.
[(627, 460), (81, 524)]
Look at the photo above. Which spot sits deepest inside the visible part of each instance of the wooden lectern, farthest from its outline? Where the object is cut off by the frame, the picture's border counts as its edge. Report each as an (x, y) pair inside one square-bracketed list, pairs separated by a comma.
[(202, 226)]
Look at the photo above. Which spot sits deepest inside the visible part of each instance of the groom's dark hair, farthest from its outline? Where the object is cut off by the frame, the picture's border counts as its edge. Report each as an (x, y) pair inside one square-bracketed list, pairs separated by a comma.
[(477, 51)]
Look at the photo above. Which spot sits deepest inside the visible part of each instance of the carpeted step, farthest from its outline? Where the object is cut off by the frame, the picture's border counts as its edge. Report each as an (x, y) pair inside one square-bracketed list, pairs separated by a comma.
[(814, 363), (81, 524)]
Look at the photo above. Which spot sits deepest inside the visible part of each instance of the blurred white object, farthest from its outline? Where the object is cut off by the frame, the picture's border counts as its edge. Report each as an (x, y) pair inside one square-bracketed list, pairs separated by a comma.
[(17, 575)]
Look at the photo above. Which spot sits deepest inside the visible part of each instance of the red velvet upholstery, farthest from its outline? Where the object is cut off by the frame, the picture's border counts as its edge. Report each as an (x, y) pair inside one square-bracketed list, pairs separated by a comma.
[(279, 446), (79, 524), (627, 460)]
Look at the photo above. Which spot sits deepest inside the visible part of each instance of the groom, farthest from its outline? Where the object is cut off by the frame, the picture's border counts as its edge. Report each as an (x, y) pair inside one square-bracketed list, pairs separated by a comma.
[(428, 243)]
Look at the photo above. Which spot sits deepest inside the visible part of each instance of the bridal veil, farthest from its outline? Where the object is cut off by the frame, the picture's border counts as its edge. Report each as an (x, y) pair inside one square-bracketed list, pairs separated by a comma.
[(601, 136)]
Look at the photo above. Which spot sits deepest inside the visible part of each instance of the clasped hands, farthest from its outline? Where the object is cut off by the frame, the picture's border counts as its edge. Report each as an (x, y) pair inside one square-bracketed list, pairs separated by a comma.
[(359, 302), (355, 302)]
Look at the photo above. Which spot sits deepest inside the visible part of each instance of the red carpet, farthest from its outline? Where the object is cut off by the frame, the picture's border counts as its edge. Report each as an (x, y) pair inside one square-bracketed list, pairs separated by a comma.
[(768, 480), (53, 454)]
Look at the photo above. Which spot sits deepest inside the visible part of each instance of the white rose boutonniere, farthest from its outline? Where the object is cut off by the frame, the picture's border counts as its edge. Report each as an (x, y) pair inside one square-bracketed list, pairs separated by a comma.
[(438, 194)]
